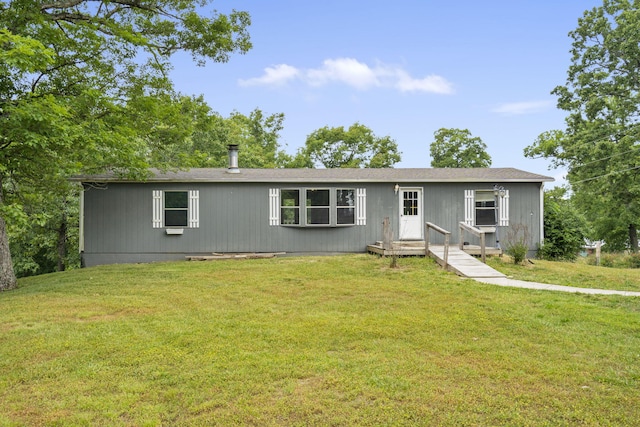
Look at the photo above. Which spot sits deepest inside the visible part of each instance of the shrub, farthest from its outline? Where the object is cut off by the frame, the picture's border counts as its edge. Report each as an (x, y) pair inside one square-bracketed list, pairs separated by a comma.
[(608, 260), (616, 260), (564, 228), (633, 260), (518, 252), (517, 243)]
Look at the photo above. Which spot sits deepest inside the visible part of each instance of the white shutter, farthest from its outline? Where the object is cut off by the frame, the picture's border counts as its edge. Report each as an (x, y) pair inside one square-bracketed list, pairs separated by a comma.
[(469, 207), (194, 208), (157, 209), (361, 206), (503, 210), (274, 206)]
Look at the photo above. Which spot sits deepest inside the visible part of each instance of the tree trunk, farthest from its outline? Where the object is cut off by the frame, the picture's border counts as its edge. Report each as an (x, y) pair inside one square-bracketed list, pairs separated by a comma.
[(7, 276), (62, 240), (633, 238)]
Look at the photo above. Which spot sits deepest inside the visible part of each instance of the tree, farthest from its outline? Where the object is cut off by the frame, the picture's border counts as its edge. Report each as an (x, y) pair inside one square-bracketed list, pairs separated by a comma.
[(356, 147), (600, 145), (257, 136), (207, 135), (565, 228), (456, 148), (46, 242), (73, 74)]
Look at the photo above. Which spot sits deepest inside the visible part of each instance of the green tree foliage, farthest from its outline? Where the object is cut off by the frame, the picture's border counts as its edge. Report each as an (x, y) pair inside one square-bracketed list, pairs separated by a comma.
[(76, 76), (600, 146), (356, 147), (204, 136), (48, 241), (456, 148), (564, 227)]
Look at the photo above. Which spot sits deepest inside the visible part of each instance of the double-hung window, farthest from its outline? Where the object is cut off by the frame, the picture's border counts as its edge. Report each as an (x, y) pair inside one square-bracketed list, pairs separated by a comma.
[(481, 209), (290, 207), (485, 204), (345, 206), (176, 209), (317, 207)]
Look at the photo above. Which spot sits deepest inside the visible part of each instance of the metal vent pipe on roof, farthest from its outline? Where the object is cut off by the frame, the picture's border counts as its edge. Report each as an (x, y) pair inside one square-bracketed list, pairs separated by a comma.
[(233, 158)]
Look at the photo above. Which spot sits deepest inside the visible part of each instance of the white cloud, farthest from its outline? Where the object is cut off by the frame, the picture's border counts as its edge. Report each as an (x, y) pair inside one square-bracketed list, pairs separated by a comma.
[(344, 70), (432, 83), (277, 75), (354, 73), (518, 108)]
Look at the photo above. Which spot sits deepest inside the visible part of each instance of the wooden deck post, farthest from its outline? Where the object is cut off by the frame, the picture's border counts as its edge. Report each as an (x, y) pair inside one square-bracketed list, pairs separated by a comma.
[(386, 234), (447, 237), (426, 239), (446, 250), (476, 232)]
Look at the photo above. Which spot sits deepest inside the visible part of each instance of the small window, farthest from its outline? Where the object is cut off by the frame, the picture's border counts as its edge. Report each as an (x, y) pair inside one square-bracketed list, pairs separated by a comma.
[(485, 208), (290, 207), (318, 207), (346, 207), (176, 208), (410, 203)]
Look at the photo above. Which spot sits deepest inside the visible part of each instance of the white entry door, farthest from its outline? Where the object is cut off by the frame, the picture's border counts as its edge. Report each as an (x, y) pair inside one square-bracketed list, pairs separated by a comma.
[(411, 214)]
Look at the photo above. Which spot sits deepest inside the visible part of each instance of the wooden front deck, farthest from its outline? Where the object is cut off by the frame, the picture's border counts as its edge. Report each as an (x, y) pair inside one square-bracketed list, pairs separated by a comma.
[(462, 262), (456, 258), (417, 248)]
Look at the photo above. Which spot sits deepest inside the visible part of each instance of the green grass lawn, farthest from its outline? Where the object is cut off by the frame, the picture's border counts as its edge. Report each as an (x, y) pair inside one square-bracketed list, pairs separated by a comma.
[(311, 341), (578, 274)]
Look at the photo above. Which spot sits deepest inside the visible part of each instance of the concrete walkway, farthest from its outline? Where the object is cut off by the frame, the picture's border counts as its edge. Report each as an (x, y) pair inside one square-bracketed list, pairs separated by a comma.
[(546, 287), (465, 265)]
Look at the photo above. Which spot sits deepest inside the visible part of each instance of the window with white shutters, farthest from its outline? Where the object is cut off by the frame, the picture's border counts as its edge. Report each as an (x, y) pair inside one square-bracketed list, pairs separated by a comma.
[(317, 207), (480, 208), (176, 209)]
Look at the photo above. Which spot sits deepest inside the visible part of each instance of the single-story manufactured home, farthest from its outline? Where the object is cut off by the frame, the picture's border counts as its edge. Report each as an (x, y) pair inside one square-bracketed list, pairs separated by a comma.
[(172, 215)]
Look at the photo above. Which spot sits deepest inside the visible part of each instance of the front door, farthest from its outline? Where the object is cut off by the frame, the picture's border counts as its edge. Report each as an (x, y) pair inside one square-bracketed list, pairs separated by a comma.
[(411, 214)]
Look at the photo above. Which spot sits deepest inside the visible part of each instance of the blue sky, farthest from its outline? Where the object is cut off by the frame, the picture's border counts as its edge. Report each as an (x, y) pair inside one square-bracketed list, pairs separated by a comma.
[(404, 69)]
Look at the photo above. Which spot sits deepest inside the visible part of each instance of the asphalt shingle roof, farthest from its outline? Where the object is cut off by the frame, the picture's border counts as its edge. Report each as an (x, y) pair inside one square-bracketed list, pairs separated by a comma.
[(333, 175)]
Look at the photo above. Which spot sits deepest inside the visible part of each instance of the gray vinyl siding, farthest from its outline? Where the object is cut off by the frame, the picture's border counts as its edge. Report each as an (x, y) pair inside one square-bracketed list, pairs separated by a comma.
[(234, 217), (444, 206)]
